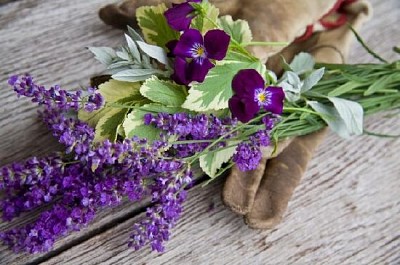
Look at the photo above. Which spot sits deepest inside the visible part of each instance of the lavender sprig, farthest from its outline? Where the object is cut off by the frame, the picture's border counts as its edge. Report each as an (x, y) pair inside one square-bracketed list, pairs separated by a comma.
[(55, 97)]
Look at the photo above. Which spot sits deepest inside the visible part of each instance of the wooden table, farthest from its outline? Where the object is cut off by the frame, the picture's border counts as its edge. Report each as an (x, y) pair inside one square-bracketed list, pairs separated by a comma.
[(346, 210)]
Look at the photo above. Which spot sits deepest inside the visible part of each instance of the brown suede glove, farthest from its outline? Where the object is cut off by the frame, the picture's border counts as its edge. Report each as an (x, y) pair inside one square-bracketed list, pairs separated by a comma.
[(262, 195)]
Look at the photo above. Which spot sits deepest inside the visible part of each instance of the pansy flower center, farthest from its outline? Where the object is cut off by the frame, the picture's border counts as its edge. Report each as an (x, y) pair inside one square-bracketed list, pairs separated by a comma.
[(198, 51), (262, 97)]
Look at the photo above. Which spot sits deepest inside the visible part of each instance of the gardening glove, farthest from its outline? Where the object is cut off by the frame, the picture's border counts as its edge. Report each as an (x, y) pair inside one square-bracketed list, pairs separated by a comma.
[(283, 173), (241, 187)]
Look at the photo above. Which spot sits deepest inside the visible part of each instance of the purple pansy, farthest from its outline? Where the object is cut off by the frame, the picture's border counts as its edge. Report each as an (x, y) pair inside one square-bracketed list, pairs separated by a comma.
[(179, 16), (251, 94), (193, 54)]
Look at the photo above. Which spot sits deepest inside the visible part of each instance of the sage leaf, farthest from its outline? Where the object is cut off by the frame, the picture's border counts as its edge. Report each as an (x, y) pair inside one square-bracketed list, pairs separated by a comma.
[(154, 52), (302, 63), (136, 75), (312, 79), (105, 55), (352, 114), (332, 118)]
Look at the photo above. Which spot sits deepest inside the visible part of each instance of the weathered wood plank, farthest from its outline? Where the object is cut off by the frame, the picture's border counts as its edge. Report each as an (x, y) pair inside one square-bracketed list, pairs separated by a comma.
[(345, 211)]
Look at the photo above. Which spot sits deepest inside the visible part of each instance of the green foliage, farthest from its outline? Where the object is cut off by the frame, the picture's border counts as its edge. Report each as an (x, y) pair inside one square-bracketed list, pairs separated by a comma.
[(216, 90), (134, 123), (107, 120), (109, 124), (239, 30), (154, 25), (212, 161), (164, 92), (134, 62), (205, 10)]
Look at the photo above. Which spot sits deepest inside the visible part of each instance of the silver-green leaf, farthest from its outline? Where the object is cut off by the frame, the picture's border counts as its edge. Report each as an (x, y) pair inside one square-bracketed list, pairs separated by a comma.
[(352, 114)]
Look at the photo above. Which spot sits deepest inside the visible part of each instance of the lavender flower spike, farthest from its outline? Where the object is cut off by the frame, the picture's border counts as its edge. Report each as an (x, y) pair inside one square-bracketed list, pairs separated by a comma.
[(55, 97), (251, 94), (179, 16), (200, 52)]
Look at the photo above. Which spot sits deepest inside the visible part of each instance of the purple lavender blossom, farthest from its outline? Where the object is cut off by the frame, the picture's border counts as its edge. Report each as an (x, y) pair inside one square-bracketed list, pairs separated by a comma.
[(55, 97), (200, 127), (247, 156), (30, 184), (250, 94), (194, 54), (179, 16), (76, 135), (155, 229)]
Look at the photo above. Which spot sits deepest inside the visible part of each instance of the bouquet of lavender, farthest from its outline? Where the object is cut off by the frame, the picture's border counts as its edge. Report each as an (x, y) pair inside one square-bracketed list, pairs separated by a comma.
[(184, 95)]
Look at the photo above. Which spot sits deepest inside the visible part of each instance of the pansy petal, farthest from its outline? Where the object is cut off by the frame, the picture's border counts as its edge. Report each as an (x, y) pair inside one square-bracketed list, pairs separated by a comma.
[(246, 82), (178, 16), (198, 71), (180, 74), (244, 109), (216, 43), (188, 40), (277, 98), (171, 46)]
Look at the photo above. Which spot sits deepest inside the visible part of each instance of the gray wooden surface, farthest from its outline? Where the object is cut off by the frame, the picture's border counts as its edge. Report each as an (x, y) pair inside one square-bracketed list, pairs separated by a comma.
[(345, 211)]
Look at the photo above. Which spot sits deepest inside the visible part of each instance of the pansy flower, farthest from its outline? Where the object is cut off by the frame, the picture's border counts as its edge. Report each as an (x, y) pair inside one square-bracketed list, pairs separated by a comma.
[(194, 54), (250, 94), (179, 16)]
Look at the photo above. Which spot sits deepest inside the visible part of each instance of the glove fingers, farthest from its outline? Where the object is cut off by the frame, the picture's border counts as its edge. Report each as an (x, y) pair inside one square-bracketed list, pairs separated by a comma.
[(240, 187), (281, 177)]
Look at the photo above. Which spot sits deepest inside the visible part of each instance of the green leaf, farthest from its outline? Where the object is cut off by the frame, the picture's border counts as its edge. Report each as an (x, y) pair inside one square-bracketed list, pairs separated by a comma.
[(216, 90), (105, 55), (207, 10), (134, 122), (136, 75), (154, 25), (134, 126), (312, 79), (382, 83), (346, 87), (109, 124), (239, 30), (212, 161), (352, 114), (164, 92), (108, 119), (134, 34), (302, 63), (331, 116), (155, 52), (133, 49)]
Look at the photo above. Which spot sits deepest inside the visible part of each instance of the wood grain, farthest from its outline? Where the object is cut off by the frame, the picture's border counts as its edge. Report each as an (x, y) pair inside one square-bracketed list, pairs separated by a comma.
[(346, 210)]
